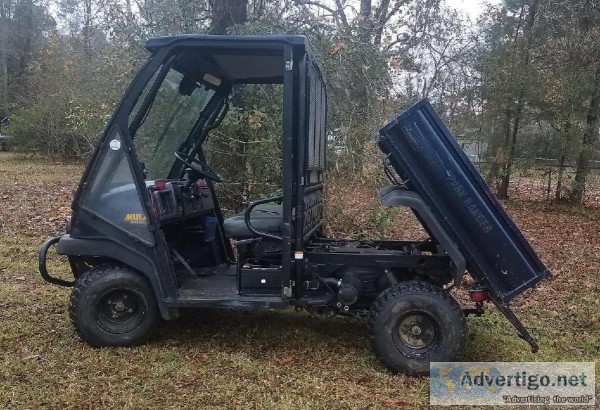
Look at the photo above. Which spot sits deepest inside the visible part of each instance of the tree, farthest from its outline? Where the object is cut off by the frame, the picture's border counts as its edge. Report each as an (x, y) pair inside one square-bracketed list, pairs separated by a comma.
[(587, 16), (565, 62), (507, 78), (226, 13), (589, 141), (23, 28)]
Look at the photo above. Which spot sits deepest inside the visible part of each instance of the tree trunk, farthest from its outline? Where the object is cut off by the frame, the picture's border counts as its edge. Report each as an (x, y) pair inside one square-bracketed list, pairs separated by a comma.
[(510, 148), (87, 29), (226, 13), (500, 158), (3, 81), (129, 11), (589, 139), (561, 165), (561, 162), (380, 20), (3, 62), (3, 71), (365, 22), (28, 37)]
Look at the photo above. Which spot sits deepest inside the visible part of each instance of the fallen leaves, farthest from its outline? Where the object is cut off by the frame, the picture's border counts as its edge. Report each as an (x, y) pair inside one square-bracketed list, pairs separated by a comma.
[(281, 361)]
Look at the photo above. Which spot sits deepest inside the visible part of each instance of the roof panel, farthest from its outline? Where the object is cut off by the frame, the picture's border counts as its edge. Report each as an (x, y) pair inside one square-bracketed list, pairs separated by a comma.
[(214, 40)]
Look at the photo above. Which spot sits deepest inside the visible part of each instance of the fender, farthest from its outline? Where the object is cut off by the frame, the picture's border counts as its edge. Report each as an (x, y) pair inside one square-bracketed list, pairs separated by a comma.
[(67, 245), (394, 195)]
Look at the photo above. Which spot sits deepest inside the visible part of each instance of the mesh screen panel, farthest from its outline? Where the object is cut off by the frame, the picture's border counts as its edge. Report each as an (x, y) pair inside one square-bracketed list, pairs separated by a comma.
[(323, 130), (312, 103), (316, 121)]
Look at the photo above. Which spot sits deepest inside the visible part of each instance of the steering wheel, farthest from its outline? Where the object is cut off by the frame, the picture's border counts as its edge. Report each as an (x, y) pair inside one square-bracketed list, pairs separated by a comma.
[(199, 166)]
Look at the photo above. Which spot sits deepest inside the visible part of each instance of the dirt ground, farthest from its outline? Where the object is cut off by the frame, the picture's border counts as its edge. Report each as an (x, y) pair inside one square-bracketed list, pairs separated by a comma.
[(283, 359)]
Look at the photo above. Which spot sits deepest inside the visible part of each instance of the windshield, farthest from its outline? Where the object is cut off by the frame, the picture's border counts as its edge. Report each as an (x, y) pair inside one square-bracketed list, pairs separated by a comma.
[(168, 121)]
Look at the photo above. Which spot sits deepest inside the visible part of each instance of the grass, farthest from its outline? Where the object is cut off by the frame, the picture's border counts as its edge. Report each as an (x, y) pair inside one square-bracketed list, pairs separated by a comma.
[(265, 359)]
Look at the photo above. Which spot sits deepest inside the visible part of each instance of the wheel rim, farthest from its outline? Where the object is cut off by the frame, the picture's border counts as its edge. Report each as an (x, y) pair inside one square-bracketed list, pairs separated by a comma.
[(120, 311), (416, 334)]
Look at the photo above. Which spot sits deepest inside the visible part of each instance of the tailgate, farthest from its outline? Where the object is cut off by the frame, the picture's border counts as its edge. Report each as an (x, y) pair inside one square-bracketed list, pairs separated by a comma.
[(423, 151)]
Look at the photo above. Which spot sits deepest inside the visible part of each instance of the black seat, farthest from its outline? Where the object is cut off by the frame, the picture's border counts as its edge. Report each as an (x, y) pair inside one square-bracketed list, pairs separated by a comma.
[(264, 218)]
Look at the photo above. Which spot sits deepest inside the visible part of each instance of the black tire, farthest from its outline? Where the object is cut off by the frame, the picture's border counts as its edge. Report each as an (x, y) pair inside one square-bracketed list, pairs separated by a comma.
[(414, 323), (112, 305)]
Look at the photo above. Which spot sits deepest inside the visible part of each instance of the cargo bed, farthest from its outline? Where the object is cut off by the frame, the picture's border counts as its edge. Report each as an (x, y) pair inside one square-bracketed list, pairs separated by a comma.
[(426, 156)]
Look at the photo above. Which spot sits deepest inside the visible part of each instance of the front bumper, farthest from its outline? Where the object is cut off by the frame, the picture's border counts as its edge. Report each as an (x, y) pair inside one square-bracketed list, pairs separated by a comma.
[(43, 255)]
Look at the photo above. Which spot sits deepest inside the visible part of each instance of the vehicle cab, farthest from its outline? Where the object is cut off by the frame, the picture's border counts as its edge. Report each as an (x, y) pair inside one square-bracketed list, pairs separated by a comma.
[(148, 197)]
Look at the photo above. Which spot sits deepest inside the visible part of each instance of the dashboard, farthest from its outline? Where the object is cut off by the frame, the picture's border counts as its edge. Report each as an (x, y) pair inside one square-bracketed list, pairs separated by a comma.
[(175, 200)]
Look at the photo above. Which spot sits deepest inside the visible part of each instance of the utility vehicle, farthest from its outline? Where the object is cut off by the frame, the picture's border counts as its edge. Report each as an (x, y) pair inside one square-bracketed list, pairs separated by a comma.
[(148, 238)]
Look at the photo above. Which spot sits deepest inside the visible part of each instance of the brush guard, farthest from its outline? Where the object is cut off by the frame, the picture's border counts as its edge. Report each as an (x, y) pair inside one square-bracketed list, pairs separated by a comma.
[(43, 255)]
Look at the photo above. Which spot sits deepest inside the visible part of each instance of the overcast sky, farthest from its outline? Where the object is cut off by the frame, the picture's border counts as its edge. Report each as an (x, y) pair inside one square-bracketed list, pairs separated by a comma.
[(471, 8)]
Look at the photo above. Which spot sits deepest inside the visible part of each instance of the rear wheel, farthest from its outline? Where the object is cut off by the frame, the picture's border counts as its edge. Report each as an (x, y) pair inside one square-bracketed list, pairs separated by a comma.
[(414, 323), (112, 305)]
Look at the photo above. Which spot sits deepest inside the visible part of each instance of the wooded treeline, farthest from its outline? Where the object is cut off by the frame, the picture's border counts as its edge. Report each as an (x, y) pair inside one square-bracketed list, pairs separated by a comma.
[(525, 78)]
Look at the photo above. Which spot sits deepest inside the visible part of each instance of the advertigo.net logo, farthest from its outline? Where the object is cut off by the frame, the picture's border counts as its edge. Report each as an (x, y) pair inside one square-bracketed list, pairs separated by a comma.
[(513, 383)]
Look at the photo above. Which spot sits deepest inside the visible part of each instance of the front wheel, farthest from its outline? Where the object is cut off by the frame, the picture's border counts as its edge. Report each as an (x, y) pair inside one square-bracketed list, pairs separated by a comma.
[(414, 323), (112, 305)]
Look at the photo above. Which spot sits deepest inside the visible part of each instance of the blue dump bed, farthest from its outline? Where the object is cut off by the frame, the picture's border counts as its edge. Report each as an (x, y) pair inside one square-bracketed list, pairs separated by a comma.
[(424, 152)]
